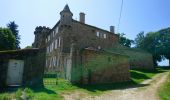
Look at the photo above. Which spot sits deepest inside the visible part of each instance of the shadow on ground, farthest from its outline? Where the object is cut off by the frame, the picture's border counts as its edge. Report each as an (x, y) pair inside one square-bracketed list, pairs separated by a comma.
[(123, 85), (35, 89), (111, 86)]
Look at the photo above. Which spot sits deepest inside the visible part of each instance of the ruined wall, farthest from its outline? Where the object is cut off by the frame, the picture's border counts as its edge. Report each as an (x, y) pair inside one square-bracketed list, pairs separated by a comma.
[(101, 67)]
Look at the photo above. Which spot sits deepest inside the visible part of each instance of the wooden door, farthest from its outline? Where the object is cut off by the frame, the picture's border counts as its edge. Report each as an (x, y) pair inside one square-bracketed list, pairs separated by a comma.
[(15, 72)]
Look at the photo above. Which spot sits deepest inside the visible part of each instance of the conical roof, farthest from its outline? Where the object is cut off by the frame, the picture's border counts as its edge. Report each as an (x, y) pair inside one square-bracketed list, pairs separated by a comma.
[(66, 8)]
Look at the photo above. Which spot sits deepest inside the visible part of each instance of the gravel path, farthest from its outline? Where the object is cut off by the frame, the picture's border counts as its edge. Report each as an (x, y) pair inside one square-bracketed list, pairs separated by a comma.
[(148, 92)]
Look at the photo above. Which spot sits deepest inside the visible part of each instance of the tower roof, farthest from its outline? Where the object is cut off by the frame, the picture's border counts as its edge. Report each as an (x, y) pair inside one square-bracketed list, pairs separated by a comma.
[(66, 8)]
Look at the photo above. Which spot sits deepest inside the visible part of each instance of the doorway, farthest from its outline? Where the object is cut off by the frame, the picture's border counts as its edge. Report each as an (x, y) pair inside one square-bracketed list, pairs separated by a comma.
[(15, 72)]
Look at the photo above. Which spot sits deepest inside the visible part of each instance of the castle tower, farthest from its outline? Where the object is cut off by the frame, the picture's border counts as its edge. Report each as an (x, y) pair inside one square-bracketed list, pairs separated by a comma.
[(66, 16), (40, 37)]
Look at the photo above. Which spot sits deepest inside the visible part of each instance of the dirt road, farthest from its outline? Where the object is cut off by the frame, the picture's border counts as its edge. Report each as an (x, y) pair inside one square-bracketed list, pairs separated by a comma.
[(148, 92)]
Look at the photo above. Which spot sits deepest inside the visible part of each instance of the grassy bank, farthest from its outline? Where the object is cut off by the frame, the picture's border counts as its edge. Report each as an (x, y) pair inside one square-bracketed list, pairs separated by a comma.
[(53, 91), (164, 91)]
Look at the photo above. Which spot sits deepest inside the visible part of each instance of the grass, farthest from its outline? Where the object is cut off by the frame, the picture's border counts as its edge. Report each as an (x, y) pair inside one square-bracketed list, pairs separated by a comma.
[(54, 90), (139, 76), (164, 91)]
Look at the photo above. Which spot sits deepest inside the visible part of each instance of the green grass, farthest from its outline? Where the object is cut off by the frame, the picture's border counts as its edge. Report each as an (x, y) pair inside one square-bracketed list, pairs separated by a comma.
[(54, 90), (139, 76), (164, 91)]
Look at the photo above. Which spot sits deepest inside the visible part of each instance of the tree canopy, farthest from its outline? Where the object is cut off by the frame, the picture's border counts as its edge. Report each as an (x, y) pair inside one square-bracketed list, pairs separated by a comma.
[(157, 43), (7, 39), (124, 41), (14, 28)]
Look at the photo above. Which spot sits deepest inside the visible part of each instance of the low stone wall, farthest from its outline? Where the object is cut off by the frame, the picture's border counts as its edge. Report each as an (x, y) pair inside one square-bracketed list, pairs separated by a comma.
[(138, 59), (103, 67), (34, 60)]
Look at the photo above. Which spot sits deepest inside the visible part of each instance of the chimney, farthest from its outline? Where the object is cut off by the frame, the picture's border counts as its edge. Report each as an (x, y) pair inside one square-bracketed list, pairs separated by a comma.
[(112, 29), (82, 17)]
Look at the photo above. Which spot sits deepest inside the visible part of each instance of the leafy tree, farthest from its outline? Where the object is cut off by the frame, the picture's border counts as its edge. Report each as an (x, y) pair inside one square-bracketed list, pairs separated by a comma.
[(14, 28), (164, 42), (7, 39), (139, 39), (124, 41), (157, 43)]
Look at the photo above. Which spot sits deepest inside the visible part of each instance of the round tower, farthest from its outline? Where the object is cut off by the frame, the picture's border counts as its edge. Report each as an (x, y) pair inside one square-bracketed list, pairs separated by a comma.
[(40, 36), (66, 16)]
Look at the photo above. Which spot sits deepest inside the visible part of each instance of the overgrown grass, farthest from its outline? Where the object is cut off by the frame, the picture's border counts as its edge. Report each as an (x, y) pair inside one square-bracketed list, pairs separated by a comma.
[(54, 91), (164, 91)]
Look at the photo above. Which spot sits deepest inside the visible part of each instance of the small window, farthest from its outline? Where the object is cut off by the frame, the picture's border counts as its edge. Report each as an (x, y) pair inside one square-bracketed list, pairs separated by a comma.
[(46, 40), (104, 36), (49, 38), (56, 43), (56, 30), (59, 42), (98, 34), (99, 47)]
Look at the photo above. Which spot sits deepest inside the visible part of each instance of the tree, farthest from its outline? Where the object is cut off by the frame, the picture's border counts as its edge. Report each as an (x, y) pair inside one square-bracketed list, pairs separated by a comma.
[(124, 41), (164, 42), (7, 39), (14, 28), (157, 43), (139, 39)]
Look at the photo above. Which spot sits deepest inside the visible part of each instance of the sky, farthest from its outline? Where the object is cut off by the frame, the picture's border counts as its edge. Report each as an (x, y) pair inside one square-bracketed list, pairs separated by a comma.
[(137, 15)]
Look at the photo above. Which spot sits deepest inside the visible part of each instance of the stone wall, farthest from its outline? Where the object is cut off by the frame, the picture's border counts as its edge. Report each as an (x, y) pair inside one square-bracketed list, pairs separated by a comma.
[(101, 67), (34, 61), (84, 35), (138, 59)]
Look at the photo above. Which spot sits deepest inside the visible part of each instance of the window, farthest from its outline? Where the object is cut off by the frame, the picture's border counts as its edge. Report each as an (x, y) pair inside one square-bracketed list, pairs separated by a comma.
[(52, 45), (46, 40), (98, 34), (48, 37), (99, 47), (104, 36), (59, 41), (56, 30), (56, 43), (54, 61), (47, 49), (53, 33)]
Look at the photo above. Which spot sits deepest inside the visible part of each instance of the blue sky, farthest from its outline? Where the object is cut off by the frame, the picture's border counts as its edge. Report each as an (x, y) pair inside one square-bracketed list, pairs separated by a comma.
[(137, 16)]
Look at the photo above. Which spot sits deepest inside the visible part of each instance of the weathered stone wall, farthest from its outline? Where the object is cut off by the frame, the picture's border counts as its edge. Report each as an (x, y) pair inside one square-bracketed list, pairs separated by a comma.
[(138, 59), (101, 67), (3, 72), (85, 36), (33, 66)]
